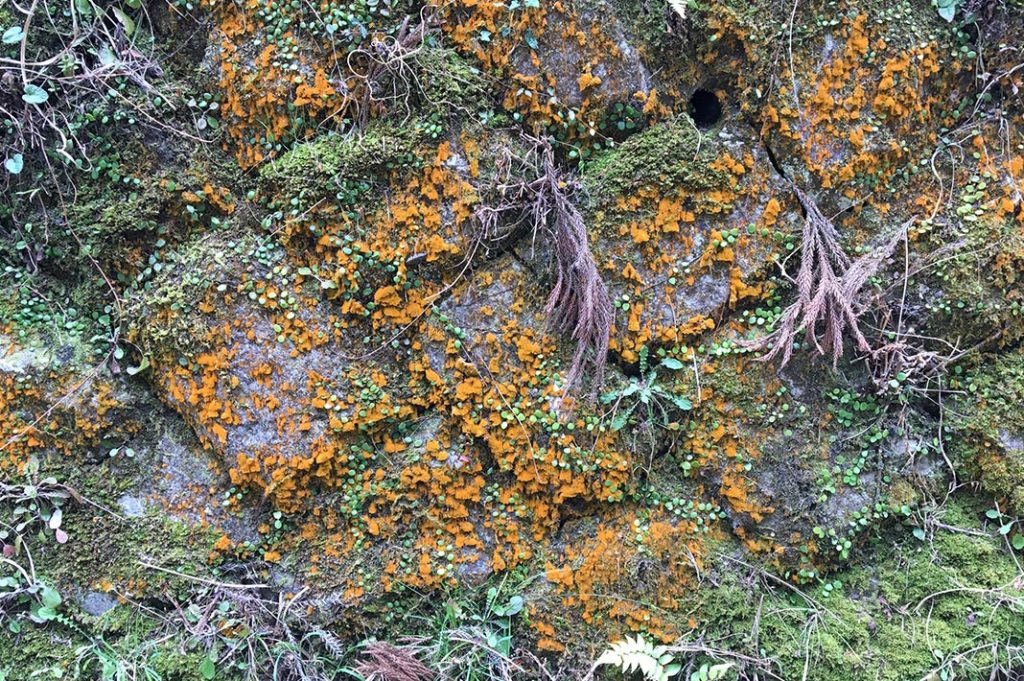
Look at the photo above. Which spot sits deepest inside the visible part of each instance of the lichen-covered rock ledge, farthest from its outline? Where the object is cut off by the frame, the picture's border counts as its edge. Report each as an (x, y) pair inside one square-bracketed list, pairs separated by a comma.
[(588, 339)]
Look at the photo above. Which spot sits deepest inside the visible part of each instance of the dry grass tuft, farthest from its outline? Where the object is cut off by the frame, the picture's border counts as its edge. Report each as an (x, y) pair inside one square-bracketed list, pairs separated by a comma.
[(384, 661)]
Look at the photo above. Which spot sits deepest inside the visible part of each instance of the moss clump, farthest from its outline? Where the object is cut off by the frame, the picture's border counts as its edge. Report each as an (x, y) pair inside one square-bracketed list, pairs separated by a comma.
[(977, 292), (990, 425), (871, 621), (665, 156), (192, 270), (339, 167), (643, 18), (450, 84)]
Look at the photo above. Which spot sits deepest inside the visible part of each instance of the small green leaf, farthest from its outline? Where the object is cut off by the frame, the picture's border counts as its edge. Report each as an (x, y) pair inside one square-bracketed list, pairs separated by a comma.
[(126, 21), (143, 365), (50, 597), (919, 533), (35, 94), (992, 513), (106, 55), (718, 671), (208, 669), (55, 519), (514, 606), (1005, 529), (682, 403), (622, 418), (672, 363), (45, 614), (15, 164), (13, 35)]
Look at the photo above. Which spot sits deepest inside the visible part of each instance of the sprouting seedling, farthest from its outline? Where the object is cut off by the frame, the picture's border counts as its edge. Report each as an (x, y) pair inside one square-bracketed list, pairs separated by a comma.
[(646, 393)]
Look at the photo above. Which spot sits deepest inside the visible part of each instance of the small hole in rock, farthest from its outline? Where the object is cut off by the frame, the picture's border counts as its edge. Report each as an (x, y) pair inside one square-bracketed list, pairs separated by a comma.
[(705, 108)]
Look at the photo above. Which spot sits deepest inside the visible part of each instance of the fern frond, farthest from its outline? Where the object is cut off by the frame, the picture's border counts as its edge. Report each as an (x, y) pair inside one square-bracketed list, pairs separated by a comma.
[(679, 7), (638, 654)]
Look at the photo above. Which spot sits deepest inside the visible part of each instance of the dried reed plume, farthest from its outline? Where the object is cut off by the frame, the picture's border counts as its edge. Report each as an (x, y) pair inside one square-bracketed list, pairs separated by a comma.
[(828, 290), (579, 302)]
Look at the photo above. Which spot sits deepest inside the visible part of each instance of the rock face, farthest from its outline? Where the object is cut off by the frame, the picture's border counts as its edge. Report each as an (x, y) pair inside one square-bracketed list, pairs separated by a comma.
[(97, 604), (325, 371), (586, 58), (684, 224)]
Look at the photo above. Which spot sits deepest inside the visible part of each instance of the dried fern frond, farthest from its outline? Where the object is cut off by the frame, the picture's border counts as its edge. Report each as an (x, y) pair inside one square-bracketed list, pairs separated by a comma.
[(828, 284), (530, 191), (383, 661)]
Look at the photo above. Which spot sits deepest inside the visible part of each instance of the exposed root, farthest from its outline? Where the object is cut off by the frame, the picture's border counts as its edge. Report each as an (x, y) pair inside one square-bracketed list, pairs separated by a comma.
[(387, 69)]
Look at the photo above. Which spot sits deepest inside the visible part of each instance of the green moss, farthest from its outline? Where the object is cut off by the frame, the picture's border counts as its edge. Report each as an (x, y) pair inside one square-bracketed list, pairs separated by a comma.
[(450, 84), (104, 546), (666, 156), (990, 426), (339, 167), (644, 19), (37, 650), (903, 611)]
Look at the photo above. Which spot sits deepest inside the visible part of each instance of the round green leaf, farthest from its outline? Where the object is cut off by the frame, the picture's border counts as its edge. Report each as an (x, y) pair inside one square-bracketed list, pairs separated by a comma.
[(13, 35), (35, 94), (15, 164), (207, 669)]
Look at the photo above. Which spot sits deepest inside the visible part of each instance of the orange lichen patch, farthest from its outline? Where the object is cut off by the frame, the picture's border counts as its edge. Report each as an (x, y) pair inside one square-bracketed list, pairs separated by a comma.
[(650, 558), (771, 212), (85, 411), (18, 434), (277, 83), (518, 44), (417, 229), (407, 437), (736, 488), (490, 31), (853, 121), (587, 80), (677, 261), (738, 289), (547, 640)]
